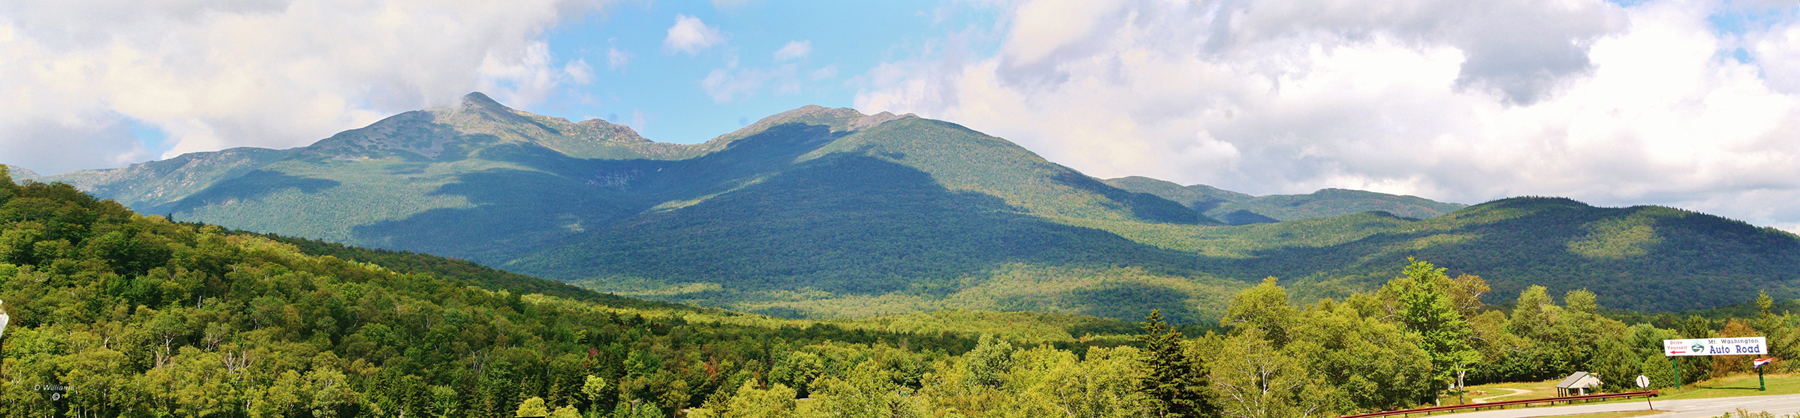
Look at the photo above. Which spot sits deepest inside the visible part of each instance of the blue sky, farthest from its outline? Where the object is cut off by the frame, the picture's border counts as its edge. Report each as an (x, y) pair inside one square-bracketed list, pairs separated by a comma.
[(1693, 104), (641, 82)]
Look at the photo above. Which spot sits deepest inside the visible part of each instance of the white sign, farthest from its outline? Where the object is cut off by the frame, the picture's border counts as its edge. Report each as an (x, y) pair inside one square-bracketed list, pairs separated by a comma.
[(1716, 347), (3, 318), (1643, 381)]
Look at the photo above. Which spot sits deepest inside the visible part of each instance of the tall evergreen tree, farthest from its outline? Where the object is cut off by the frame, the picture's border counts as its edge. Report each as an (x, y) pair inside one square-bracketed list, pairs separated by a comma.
[(1175, 381)]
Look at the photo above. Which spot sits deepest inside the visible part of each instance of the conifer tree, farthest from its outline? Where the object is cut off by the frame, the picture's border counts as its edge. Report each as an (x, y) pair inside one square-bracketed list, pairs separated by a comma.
[(1175, 382)]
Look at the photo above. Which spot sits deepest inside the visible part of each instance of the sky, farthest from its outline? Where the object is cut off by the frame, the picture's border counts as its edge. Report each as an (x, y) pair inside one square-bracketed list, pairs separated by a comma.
[(1692, 104)]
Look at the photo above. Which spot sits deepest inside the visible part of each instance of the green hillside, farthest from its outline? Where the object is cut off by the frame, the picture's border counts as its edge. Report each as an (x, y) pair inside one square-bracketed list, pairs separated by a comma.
[(904, 216), (1239, 209), (851, 205), (1641, 258), (412, 182), (830, 213), (119, 314)]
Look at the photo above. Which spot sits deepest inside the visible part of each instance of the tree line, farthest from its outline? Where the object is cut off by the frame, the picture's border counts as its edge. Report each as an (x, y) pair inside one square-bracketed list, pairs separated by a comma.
[(119, 314)]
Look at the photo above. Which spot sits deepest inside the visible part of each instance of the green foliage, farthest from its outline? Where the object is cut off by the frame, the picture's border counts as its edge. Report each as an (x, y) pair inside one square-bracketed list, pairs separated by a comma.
[(1254, 379), (751, 401), (1264, 307), (798, 370), (533, 407), (1423, 305), (1054, 382), (1616, 366), (868, 228), (1377, 365), (138, 316), (638, 409), (1175, 381), (989, 362), (867, 391), (198, 320), (1660, 370)]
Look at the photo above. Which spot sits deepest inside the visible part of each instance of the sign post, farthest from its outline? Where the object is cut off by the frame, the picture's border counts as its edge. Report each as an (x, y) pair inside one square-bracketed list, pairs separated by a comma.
[(1758, 363), (1739, 346), (1644, 383)]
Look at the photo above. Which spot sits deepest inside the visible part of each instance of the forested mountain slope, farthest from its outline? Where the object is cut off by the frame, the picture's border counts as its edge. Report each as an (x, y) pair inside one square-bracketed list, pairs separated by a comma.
[(119, 314), (822, 212), (853, 205), (1642, 258)]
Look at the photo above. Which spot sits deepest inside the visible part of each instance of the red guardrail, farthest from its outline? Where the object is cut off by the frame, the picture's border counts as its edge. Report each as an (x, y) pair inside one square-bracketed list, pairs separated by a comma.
[(1504, 404)]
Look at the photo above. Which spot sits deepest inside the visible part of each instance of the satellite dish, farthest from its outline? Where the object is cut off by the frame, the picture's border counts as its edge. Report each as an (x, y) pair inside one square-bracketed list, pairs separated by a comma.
[(1643, 381)]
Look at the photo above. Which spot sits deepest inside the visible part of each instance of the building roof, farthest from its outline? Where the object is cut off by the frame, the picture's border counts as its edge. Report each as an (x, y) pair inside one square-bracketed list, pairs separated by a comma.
[(1578, 380)]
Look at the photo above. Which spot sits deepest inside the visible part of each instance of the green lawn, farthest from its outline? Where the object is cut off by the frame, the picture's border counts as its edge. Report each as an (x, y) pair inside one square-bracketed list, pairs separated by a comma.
[(1735, 385), (1496, 392)]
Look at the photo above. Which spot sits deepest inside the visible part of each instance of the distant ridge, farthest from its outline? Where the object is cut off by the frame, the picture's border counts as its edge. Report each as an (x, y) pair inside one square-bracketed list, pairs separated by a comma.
[(1239, 209)]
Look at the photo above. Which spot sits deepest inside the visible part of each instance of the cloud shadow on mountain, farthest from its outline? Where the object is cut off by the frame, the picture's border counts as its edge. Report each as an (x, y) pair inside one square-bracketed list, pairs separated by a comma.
[(844, 224), (553, 197), (248, 187)]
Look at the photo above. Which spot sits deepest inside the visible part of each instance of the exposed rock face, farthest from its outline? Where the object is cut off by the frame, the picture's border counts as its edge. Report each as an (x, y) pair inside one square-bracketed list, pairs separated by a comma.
[(478, 121)]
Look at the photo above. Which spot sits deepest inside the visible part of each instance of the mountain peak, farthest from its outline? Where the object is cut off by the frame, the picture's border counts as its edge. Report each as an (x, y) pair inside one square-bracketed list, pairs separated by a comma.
[(839, 119), (477, 121), (474, 103), (477, 98)]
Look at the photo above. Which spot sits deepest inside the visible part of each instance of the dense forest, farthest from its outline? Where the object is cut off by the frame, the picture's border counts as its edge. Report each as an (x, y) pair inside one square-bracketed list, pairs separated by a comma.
[(120, 314)]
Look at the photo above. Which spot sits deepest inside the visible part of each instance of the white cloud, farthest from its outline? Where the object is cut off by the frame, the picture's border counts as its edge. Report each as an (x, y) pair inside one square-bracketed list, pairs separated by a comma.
[(794, 50), (733, 83), (215, 74), (616, 58), (1454, 100), (579, 71), (729, 84), (689, 35)]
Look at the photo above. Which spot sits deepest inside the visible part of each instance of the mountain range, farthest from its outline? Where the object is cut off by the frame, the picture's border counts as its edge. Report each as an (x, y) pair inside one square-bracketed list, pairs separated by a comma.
[(831, 212)]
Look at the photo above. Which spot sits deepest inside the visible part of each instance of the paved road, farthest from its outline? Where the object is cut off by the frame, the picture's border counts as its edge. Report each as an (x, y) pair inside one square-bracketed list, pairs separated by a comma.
[(1685, 408)]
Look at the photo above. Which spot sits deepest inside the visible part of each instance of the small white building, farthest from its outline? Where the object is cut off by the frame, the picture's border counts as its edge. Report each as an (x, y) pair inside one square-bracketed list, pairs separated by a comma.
[(1578, 384)]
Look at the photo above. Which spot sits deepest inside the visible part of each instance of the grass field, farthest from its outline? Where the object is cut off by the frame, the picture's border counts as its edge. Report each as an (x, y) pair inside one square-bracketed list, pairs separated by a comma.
[(1497, 392), (1729, 386), (1735, 385)]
